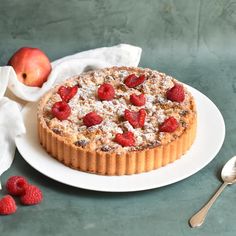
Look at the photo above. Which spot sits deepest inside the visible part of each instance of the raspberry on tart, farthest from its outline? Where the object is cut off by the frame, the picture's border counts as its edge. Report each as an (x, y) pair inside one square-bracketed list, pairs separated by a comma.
[(132, 80), (136, 119), (176, 93), (61, 110), (126, 139), (66, 93), (106, 92), (138, 100), (169, 125), (91, 119)]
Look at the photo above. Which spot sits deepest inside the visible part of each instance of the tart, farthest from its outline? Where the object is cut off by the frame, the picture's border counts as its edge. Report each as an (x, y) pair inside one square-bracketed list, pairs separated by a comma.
[(117, 121)]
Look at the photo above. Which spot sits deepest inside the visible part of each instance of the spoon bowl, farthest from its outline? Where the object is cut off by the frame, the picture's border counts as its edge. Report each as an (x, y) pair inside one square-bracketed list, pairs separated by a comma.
[(228, 173)]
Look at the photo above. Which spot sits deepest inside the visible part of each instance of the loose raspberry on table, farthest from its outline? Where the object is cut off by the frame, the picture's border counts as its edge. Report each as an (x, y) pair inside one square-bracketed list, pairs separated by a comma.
[(32, 196), (106, 92), (169, 125), (136, 119), (61, 110), (132, 80), (66, 93), (138, 100), (126, 139), (7, 205), (176, 93), (16, 185), (92, 118)]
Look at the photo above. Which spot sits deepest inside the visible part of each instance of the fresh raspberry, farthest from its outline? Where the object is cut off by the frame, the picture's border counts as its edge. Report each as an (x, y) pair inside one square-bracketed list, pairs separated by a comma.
[(132, 80), (16, 185), (7, 205), (66, 93), (32, 196), (176, 93), (138, 100), (92, 118), (136, 119), (61, 110), (106, 92), (169, 125), (126, 139)]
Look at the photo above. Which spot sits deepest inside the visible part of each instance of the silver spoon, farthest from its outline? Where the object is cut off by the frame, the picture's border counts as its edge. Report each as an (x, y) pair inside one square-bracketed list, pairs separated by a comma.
[(228, 175)]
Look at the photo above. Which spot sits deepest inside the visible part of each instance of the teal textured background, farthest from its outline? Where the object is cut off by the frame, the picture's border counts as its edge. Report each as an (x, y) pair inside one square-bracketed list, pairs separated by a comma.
[(192, 40)]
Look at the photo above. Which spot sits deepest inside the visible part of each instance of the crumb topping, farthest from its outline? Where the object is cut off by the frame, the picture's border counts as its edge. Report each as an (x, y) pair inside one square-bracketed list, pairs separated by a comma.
[(100, 137)]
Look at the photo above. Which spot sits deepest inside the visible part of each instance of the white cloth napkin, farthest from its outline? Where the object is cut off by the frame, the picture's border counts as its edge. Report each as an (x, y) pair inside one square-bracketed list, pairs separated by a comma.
[(11, 121), (11, 125)]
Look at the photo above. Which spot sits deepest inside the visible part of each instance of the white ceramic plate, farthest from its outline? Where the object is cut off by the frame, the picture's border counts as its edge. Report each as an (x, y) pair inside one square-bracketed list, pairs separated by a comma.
[(210, 137)]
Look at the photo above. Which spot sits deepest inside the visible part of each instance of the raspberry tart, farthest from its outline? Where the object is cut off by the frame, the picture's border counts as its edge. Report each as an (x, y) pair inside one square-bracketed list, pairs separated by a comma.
[(117, 121)]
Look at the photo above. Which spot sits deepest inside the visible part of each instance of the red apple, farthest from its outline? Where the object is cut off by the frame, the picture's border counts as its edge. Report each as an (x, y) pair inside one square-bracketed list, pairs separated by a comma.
[(31, 65)]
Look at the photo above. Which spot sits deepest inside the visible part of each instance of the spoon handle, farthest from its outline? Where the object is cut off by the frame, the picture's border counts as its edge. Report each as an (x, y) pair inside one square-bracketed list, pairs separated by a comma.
[(198, 219)]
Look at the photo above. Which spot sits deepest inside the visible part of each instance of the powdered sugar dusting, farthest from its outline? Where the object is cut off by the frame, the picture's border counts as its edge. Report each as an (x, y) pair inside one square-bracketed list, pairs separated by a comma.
[(160, 116), (100, 137)]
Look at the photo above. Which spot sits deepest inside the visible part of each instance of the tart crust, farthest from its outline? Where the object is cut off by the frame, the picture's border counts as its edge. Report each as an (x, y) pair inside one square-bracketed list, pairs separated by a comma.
[(113, 163)]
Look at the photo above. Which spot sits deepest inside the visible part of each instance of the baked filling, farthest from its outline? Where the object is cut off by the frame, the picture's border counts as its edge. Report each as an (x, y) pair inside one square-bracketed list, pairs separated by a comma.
[(119, 110)]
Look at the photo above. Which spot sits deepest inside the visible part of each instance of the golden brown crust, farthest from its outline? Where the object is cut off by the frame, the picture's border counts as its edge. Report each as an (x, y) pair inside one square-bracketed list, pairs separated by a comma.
[(113, 163)]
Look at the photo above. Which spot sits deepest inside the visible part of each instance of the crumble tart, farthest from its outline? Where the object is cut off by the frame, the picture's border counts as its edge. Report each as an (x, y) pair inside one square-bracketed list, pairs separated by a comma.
[(117, 121)]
